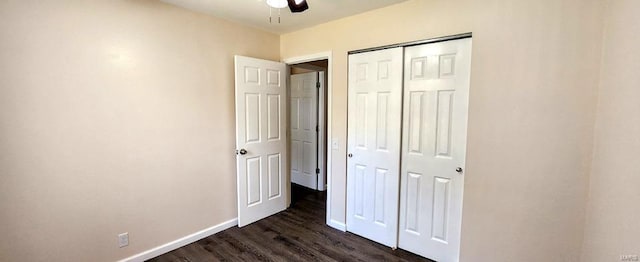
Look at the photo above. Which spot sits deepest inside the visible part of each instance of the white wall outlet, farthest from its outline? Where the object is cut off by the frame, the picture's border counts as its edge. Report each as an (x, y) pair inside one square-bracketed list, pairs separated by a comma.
[(334, 144), (123, 239)]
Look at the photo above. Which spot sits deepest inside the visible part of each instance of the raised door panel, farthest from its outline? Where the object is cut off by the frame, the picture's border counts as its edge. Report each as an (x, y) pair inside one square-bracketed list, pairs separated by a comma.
[(443, 123), (361, 120), (252, 117), (296, 155), (380, 194), (254, 181), (295, 114), (274, 117), (274, 78), (308, 156), (305, 113), (415, 125), (275, 176), (382, 118), (360, 192), (440, 209), (252, 75), (412, 203)]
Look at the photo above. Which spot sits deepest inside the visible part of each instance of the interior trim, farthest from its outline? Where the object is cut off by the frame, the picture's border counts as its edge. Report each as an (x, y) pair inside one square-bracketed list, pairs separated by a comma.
[(178, 243), (337, 225), (314, 57), (419, 42)]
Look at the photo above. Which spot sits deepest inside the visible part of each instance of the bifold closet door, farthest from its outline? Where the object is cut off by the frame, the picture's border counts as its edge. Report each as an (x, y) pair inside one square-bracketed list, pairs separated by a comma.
[(436, 91), (373, 162)]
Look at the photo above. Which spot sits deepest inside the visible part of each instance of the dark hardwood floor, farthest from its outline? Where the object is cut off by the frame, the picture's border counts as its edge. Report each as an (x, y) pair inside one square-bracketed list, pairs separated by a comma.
[(297, 234)]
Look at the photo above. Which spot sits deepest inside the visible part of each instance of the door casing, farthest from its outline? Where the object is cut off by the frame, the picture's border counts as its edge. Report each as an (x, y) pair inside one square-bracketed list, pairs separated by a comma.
[(331, 150)]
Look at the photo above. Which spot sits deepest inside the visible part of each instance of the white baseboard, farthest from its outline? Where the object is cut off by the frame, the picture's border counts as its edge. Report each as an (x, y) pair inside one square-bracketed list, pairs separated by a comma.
[(337, 225), (159, 250)]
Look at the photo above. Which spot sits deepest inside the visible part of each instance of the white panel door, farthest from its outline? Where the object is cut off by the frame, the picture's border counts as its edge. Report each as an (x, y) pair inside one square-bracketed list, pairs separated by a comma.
[(260, 138), (436, 95), (304, 136), (373, 163)]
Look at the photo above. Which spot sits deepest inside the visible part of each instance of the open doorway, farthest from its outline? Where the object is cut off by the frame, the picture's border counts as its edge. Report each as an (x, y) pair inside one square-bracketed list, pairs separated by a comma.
[(308, 130), (330, 143)]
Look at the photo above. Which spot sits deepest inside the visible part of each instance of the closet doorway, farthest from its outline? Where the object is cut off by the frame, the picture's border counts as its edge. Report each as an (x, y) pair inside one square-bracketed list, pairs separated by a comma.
[(407, 131)]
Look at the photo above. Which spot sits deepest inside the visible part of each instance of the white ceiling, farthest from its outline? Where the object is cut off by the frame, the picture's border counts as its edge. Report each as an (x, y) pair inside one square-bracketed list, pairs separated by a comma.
[(256, 12)]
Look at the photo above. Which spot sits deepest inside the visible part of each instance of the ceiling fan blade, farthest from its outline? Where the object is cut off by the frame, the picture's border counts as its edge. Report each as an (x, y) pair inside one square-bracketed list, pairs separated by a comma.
[(301, 6)]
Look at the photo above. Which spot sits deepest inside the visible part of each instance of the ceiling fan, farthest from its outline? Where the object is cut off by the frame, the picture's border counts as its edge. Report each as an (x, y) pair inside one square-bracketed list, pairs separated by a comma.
[(296, 6)]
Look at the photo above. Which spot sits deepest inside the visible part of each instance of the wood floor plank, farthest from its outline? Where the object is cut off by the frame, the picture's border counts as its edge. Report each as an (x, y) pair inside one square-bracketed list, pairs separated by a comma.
[(296, 234)]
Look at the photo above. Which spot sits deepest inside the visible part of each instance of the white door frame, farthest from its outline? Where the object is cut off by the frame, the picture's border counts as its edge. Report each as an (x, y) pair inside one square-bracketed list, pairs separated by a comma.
[(314, 57), (322, 181)]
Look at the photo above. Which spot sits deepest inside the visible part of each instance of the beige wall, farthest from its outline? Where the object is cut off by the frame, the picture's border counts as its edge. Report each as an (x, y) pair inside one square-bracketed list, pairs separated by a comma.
[(115, 116), (613, 217), (118, 116), (533, 93)]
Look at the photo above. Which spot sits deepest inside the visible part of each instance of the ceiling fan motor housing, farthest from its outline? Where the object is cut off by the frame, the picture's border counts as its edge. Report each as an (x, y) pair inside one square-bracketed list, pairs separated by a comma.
[(298, 6)]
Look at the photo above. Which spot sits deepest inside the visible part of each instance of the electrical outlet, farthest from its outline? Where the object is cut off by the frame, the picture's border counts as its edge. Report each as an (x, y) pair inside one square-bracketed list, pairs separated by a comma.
[(123, 239)]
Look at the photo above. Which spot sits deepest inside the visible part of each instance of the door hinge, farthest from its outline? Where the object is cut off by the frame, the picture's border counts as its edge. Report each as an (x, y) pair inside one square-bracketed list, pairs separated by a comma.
[(317, 128), (317, 170), (317, 84)]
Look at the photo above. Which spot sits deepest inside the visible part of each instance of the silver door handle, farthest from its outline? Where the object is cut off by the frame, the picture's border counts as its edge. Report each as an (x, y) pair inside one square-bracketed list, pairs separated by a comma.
[(459, 170), (350, 155), (241, 151)]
